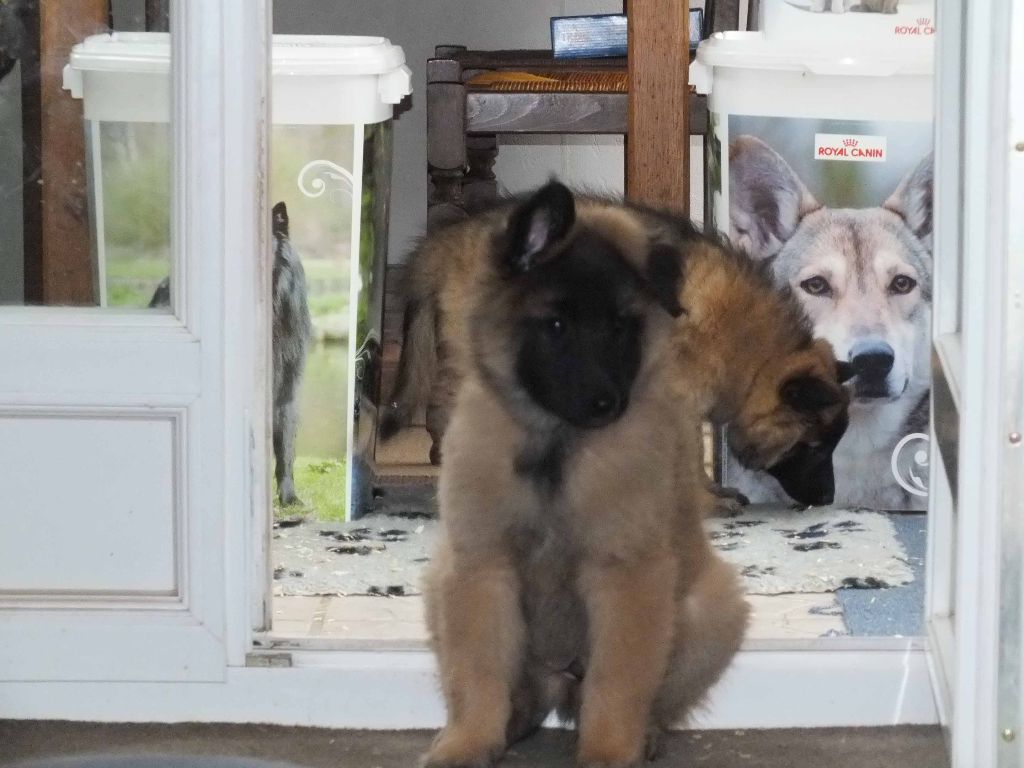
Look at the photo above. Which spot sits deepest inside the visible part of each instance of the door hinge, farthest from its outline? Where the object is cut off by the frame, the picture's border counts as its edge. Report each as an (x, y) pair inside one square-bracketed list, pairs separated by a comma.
[(274, 659)]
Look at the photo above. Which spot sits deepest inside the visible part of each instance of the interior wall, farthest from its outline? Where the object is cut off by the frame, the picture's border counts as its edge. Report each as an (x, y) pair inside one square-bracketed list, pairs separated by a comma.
[(594, 162)]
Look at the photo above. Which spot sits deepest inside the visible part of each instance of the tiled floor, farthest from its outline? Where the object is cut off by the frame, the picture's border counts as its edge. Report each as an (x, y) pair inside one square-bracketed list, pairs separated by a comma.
[(359, 618), (356, 617)]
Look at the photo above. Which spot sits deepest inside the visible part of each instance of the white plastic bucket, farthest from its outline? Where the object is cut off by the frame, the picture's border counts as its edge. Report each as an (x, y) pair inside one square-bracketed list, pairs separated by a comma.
[(837, 105), (332, 101)]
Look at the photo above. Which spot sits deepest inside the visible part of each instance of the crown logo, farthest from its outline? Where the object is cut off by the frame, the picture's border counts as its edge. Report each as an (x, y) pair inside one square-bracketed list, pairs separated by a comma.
[(849, 142), (923, 20)]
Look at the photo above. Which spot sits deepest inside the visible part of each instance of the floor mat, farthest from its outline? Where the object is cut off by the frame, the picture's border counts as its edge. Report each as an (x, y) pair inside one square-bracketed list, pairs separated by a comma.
[(815, 550), (776, 551), (380, 554)]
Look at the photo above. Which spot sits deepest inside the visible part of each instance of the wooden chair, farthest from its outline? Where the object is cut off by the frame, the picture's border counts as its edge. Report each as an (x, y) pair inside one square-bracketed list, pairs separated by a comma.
[(473, 96)]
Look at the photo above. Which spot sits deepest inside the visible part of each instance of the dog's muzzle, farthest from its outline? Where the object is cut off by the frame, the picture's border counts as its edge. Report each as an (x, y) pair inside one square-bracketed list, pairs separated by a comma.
[(873, 361)]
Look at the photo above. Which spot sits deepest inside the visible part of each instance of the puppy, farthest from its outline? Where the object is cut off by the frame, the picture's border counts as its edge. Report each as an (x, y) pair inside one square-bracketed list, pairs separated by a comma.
[(747, 348), (572, 572), (750, 361)]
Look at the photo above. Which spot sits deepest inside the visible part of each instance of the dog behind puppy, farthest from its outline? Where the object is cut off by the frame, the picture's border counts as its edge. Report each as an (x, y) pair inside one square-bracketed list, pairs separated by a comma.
[(292, 331), (572, 572)]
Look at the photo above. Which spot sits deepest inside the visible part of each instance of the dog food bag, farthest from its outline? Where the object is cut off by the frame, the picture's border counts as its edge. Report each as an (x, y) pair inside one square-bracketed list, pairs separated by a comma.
[(332, 103), (819, 163)]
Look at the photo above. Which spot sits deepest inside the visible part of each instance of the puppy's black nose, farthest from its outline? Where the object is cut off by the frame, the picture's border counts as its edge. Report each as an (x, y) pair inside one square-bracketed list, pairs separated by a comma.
[(604, 405), (873, 362)]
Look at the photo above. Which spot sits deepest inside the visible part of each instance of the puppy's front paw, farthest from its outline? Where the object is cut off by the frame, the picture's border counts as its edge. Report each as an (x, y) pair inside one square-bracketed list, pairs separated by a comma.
[(728, 508), (453, 749)]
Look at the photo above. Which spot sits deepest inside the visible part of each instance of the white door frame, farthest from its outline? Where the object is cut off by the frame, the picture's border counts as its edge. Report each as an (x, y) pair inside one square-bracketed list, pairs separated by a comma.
[(219, 223), (975, 549), (222, 154)]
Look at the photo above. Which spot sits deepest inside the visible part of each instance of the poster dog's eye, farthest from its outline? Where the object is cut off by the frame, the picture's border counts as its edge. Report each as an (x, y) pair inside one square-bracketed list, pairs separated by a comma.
[(817, 286), (901, 284)]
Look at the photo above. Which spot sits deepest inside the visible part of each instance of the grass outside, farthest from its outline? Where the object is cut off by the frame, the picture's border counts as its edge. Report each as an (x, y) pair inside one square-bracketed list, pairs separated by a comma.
[(133, 274), (320, 484)]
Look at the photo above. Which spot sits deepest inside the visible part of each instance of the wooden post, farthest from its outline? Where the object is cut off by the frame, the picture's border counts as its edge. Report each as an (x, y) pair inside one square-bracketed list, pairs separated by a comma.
[(67, 263), (658, 144)]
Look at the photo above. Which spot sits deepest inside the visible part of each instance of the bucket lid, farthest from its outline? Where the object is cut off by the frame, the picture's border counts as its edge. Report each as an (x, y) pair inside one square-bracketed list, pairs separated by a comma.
[(753, 50), (149, 52)]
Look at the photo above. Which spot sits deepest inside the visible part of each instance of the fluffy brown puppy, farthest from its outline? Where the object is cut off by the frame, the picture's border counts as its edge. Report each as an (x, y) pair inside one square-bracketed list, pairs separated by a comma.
[(572, 572), (747, 347)]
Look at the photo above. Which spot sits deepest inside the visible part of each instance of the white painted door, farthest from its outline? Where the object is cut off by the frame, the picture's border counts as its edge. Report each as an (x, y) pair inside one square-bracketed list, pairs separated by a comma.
[(126, 437), (977, 528)]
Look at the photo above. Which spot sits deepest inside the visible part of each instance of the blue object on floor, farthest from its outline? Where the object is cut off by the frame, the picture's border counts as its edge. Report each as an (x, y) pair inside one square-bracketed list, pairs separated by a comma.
[(895, 610)]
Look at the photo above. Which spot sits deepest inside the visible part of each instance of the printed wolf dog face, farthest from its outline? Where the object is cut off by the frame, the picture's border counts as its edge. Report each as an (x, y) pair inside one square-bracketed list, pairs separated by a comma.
[(862, 275)]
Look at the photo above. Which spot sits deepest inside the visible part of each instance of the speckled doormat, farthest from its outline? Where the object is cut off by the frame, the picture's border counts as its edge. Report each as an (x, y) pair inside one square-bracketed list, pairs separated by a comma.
[(380, 554), (776, 551), (817, 550)]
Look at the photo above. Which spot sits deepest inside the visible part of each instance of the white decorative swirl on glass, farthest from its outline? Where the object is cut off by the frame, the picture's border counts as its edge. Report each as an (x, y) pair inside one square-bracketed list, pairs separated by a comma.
[(908, 458), (316, 175)]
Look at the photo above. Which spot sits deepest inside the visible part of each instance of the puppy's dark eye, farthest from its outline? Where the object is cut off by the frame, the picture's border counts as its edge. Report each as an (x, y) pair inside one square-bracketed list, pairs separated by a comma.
[(817, 286), (901, 285), (555, 326)]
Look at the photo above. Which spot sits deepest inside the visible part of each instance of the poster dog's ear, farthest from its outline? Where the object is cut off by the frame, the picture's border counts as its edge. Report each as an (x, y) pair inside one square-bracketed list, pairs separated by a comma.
[(912, 200), (767, 200)]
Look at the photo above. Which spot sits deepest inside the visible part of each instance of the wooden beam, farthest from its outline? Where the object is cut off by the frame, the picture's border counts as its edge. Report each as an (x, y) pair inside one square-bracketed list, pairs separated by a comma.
[(67, 261), (657, 149)]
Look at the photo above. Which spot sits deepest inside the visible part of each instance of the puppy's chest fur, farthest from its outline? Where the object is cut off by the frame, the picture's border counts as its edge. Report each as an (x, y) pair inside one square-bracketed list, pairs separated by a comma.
[(546, 542), (548, 558)]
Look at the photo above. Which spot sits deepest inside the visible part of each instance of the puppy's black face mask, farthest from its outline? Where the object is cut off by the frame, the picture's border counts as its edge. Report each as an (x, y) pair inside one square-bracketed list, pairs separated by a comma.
[(580, 359), (579, 344), (806, 473)]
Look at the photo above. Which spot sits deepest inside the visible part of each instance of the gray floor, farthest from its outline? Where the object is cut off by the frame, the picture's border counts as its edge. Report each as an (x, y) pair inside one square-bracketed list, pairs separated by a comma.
[(907, 746), (894, 611)]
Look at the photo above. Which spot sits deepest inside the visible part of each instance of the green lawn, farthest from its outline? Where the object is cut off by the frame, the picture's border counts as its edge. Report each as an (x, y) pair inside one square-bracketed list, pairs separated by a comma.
[(132, 275), (320, 484)]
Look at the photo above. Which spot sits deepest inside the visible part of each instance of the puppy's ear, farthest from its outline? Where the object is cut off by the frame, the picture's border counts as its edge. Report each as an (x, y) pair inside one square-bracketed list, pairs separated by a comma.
[(664, 276), (279, 220), (807, 394), (537, 226), (845, 371), (912, 200), (767, 200)]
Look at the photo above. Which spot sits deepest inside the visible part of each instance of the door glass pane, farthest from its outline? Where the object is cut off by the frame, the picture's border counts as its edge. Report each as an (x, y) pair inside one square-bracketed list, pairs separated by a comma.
[(833, 571), (85, 171)]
